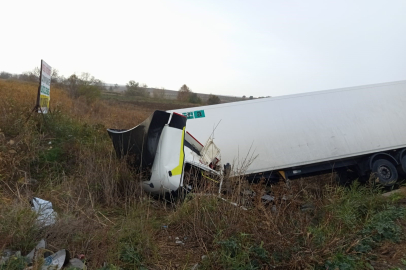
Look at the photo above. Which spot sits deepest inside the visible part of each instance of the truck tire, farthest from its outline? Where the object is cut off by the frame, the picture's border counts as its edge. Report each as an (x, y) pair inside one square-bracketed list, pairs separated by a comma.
[(385, 171)]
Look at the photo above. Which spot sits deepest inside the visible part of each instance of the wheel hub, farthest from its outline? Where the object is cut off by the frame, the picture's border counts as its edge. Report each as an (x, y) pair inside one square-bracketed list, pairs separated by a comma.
[(384, 172)]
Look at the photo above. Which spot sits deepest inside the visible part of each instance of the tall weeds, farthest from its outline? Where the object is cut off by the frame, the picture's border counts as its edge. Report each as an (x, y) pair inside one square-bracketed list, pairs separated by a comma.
[(67, 158)]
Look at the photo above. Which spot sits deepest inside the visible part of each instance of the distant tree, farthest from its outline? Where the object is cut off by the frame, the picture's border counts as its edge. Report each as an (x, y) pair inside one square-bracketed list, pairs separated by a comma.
[(56, 79), (84, 85), (36, 72), (251, 97), (30, 76), (134, 89), (90, 91), (71, 85), (111, 88), (194, 98), (90, 87), (244, 97), (184, 93), (5, 75), (213, 99)]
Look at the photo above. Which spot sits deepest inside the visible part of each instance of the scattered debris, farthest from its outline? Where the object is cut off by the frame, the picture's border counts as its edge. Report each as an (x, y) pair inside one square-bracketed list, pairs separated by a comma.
[(46, 215), (56, 260), (76, 263), (5, 256), (248, 192), (178, 241), (268, 198), (35, 252), (51, 261), (307, 207)]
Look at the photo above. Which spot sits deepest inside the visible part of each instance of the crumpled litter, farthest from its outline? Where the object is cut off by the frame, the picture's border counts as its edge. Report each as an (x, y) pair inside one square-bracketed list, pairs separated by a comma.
[(54, 261), (46, 214), (35, 252)]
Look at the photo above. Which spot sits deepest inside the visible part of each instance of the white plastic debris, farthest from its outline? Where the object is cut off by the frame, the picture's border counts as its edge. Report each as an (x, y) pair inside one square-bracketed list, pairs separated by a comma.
[(6, 254), (268, 198), (55, 261), (179, 242), (46, 215), (76, 263), (35, 251)]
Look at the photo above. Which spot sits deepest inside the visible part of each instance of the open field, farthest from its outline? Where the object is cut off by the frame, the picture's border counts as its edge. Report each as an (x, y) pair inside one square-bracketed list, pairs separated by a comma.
[(143, 102), (66, 157)]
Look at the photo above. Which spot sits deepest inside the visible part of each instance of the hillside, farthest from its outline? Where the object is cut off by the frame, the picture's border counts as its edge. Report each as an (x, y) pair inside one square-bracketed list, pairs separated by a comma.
[(172, 94), (67, 158)]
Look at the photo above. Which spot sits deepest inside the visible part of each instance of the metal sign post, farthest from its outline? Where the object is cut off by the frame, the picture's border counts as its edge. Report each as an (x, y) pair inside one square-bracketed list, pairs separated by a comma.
[(44, 88)]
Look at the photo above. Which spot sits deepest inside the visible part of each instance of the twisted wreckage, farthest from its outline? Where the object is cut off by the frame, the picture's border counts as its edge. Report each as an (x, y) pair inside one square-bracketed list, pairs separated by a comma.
[(352, 131)]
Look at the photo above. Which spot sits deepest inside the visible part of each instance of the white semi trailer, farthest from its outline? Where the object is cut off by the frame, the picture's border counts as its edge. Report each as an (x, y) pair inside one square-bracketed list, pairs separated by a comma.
[(356, 130)]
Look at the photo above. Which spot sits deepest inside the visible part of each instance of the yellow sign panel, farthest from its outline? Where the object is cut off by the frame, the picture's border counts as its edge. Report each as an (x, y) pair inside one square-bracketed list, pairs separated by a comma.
[(44, 87), (44, 103)]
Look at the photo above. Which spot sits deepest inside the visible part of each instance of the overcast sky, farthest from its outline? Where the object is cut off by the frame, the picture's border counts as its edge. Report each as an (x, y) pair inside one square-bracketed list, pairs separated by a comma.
[(259, 48)]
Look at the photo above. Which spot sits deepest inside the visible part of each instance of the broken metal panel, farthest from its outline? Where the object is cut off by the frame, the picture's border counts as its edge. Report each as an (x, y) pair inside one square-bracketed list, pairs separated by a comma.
[(141, 142), (193, 143), (210, 154), (194, 160)]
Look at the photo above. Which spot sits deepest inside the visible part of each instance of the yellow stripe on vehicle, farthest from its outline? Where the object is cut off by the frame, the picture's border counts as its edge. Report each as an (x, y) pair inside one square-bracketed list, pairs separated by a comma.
[(178, 170), (209, 177), (282, 173)]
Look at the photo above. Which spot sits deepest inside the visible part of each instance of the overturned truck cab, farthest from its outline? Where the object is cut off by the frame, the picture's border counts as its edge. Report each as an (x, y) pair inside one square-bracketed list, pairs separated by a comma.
[(160, 148)]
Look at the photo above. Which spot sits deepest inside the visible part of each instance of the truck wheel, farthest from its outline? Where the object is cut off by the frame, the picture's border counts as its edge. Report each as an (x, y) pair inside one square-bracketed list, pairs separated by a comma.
[(385, 171)]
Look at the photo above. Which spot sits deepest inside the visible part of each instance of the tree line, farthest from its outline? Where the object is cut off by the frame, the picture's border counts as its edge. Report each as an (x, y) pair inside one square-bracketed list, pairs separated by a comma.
[(83, 85), (90, 88), (185, 94)]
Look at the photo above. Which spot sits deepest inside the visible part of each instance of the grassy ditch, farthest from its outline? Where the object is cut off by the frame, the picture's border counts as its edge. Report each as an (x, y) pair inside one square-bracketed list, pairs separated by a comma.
[(67, 158)]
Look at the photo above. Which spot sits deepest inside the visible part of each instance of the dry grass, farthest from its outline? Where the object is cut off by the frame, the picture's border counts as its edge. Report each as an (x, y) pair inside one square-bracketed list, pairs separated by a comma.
[(67, 158)]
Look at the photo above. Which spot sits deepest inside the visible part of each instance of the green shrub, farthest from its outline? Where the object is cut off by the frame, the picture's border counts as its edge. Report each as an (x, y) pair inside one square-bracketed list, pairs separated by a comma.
[(18, 227), (381, 227), (343, 262), (237, 252)]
